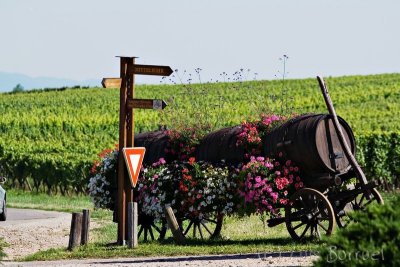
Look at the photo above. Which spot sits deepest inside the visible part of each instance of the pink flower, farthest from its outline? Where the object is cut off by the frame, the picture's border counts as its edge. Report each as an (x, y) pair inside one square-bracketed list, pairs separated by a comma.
[(277, 173), (288, 162), (258, 179), (260, 159)]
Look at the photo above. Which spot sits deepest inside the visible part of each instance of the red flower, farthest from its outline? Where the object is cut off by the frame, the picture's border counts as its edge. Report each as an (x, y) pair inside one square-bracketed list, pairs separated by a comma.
[(192, 160)]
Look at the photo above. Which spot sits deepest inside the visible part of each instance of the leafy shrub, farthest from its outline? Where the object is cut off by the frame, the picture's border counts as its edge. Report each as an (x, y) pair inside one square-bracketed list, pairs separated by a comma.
[(372, 241), (2, 245)]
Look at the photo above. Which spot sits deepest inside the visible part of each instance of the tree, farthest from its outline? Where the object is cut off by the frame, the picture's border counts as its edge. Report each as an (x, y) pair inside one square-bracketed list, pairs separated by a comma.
[(18, 88)]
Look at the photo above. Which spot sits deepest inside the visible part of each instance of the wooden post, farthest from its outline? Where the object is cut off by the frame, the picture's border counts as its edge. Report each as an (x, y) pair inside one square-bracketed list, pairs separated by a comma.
[(75, 232), (174, 226), (126, 127), (85, 227), (130, 125), (128, 69), (132, 225)]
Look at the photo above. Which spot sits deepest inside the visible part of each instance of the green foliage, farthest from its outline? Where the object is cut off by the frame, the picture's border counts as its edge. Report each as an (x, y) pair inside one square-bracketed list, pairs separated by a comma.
[(372, 241), (18, 88), (49, 138), (2, 245)]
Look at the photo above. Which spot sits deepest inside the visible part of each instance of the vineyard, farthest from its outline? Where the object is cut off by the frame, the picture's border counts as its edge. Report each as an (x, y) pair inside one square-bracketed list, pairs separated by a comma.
[(49, 139)]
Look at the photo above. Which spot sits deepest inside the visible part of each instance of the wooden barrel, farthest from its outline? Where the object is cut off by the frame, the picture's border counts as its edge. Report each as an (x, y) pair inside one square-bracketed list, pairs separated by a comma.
[(155, 143), (221, 145), (312, 143)]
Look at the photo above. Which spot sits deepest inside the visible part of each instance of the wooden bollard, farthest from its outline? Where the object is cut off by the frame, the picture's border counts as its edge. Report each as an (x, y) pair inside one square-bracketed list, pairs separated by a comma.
[(132, 224), (85, 227), (174, 226), (76, 230)]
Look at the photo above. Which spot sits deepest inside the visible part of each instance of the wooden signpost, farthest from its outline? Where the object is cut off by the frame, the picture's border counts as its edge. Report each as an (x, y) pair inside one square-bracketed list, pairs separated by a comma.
[(126, 83)]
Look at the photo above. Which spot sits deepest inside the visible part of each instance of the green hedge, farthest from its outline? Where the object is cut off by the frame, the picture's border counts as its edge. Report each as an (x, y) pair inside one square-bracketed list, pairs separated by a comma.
[(379, 155), (372, 241)]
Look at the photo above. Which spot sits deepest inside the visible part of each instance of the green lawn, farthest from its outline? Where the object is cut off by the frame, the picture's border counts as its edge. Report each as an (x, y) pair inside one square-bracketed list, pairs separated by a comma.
[(239, 235), (245, 235)]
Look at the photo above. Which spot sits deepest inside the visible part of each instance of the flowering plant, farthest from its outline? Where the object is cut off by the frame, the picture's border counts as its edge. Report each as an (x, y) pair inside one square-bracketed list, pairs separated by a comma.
[(103, 179), (154, 188), (182, 144), (266, 185), (252, 133), (206, 189), (192, 188)]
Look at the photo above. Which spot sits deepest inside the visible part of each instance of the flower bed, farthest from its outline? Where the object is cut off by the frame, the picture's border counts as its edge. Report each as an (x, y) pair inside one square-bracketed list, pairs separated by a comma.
[(194, 189)]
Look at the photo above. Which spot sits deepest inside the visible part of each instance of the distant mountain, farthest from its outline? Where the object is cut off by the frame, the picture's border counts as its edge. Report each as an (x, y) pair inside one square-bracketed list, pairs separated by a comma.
[(9, 80)]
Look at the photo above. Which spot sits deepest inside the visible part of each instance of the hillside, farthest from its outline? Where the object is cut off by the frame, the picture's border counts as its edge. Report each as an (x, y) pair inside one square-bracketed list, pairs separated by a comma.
[(53, 136)]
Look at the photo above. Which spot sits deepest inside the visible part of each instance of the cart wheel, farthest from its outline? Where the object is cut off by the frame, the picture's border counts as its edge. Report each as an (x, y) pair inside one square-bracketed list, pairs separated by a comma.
[(309, 214), (148, 225), (208, 227), (360, 202)]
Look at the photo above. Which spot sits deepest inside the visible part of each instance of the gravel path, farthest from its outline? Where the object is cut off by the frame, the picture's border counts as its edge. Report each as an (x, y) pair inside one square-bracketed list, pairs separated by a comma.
[(28, 231), (261, 259)]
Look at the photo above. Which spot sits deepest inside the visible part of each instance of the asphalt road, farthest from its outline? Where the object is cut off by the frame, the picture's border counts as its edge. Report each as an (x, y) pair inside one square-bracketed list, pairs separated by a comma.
[(23, 216)]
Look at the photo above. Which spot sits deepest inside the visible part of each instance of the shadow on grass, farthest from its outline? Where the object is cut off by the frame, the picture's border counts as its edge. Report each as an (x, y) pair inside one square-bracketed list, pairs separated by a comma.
[(277, 241)]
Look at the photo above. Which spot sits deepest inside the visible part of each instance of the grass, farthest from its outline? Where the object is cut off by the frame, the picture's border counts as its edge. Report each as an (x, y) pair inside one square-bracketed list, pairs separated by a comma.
[(245, 235), (31, 200), (239, 235)]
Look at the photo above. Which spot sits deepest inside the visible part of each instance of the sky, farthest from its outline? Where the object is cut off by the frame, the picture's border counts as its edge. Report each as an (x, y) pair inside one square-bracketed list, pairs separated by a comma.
[(80, 39)]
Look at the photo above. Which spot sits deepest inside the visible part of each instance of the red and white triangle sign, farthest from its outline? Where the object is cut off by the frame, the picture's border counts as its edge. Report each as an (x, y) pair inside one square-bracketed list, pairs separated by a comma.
[(133, 158)]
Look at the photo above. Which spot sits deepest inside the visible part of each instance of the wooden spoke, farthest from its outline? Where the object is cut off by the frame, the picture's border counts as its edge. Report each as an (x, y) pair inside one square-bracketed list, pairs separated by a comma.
[(200, 231), (156, 227), (314, 212), (188, 228), (322, 226), (151, 233), (360, 202), (149, 226), (205, 226), (212, 223), (305, 231), (145, 233), (299, 225), (194, 230)]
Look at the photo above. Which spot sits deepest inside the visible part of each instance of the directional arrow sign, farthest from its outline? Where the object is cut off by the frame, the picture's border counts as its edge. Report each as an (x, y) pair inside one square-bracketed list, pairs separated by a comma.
[(151, 70), (111, 82), (133, 158), (146, 103)]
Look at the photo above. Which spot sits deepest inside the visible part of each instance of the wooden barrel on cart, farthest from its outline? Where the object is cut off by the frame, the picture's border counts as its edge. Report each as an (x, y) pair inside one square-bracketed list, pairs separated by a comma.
[(311, 141), (221, 145), (155, 143)]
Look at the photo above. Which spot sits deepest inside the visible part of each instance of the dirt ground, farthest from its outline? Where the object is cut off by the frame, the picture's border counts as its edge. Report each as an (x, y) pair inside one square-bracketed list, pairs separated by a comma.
[(35, 231)]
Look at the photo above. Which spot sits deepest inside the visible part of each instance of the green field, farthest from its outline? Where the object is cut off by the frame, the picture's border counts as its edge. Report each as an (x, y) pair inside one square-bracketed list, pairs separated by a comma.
[(48, 139)]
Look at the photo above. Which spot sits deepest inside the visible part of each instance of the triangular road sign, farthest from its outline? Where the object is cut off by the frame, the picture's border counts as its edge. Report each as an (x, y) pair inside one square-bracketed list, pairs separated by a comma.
[(133, 158)]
